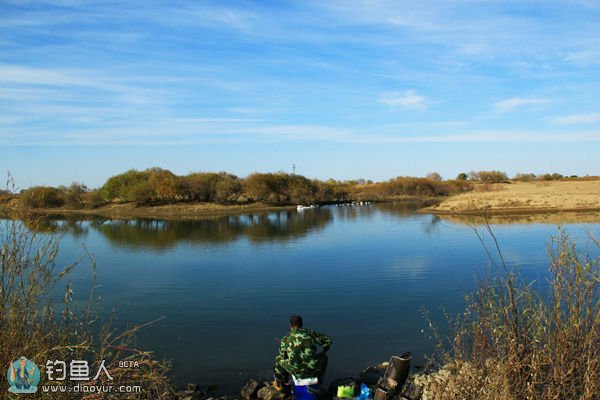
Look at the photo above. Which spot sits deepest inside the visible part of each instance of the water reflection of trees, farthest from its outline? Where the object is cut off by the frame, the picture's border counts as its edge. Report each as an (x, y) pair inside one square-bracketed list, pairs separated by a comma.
[(258, 228), (407, 209), (74, 226), (396, 209), (404, 208), (279, 226)]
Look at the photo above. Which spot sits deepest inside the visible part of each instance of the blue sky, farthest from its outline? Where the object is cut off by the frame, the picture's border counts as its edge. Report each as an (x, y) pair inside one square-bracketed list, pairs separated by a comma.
[(343, 89)]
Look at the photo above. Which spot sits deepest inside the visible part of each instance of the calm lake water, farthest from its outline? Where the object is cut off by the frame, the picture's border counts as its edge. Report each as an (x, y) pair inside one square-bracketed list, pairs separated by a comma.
[(227, 286)]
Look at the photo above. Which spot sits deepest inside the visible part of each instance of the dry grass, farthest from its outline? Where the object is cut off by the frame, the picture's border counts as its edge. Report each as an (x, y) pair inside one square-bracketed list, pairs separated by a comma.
[(36, 324), (526, 197), (518, 341)]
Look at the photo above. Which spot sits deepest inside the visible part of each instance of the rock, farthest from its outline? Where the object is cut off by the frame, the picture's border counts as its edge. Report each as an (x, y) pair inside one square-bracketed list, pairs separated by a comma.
[(185, 395), (249, 389), (211, 388), (370, 376), (193, 386), (182, 393), (270, 393), (192, 392)]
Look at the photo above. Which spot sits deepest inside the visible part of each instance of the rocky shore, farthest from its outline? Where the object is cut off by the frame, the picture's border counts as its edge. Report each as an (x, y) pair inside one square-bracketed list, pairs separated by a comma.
[(429, 385)]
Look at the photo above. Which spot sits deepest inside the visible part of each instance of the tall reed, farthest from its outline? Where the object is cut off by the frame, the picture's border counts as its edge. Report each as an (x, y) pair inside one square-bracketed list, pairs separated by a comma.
[(37, 323), (519, 339)]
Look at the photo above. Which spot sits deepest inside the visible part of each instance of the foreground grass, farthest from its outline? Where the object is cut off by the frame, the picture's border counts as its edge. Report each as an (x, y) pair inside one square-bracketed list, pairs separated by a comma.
[(517, 340), (34, 324)]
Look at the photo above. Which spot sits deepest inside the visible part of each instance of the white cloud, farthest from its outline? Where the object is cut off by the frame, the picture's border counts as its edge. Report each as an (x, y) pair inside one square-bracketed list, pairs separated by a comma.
[(577, 119), (485, 137), (584, 58), (516, 102), (218, 130), (408, 100), (5, 120)]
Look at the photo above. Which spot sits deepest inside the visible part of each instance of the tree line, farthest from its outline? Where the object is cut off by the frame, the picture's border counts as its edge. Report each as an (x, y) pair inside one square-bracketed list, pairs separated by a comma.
[(161, 186)]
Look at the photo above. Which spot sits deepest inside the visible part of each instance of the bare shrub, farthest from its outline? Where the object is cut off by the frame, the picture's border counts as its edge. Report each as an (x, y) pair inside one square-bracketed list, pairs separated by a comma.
[(551, 177), (33, 324), (524, 177), (517, 340), (42, 197), (434, 176), (488, 176), (73, 195)]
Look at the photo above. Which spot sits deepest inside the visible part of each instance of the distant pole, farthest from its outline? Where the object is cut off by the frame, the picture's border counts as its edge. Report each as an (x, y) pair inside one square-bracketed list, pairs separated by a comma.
[(294, 169)]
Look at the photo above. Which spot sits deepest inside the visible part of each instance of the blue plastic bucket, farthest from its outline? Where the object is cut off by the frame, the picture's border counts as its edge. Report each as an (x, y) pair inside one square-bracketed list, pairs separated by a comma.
[(310, 392)]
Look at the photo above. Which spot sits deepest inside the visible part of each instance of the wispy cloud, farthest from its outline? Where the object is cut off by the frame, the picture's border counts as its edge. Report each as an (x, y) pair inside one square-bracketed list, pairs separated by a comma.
[(517, 102), (8, 120), (69, 78), (185, 131), (584, 58), (490, 137), (575, 119), (409, 100)]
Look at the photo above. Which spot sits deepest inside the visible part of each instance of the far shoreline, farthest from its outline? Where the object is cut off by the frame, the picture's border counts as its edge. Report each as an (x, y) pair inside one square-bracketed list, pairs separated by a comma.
[(204, 211), (128, 211), (185, 211), (500, 199)]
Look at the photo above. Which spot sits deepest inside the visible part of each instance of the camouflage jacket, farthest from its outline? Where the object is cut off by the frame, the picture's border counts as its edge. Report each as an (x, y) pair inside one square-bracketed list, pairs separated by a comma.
[(298, 352)]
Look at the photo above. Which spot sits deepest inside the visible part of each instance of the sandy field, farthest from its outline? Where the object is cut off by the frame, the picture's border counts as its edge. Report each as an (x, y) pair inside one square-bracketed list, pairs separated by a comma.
[(524, 197)]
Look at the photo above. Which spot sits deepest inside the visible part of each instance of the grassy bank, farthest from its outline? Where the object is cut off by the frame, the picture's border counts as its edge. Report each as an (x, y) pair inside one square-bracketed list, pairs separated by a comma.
[(521, 339), (41, 320), (185, 211), (518, 197)]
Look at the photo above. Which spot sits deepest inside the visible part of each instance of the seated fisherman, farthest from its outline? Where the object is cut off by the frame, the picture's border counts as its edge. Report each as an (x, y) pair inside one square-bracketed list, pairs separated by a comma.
[(298, 355)]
